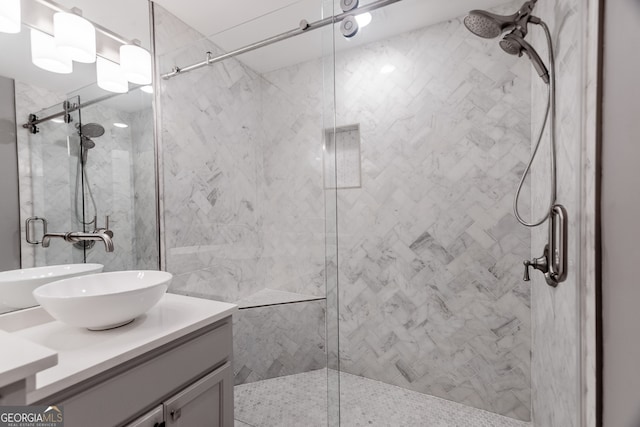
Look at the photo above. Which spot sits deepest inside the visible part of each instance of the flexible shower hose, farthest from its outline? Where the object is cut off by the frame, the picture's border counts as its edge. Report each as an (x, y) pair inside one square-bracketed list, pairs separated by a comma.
[(549, 111)]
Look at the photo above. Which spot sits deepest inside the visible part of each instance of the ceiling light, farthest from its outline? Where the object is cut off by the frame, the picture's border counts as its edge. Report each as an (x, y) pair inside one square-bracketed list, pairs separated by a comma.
[(75, 36), (136, 64), (45, 54), (147, 89), (387, 69), (364, 19), (121, 125), (10, 16), (110, 77)]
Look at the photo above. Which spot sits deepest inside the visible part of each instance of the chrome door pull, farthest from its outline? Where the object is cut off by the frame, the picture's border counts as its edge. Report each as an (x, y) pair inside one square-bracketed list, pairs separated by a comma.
[(558, 235), (27, 227)]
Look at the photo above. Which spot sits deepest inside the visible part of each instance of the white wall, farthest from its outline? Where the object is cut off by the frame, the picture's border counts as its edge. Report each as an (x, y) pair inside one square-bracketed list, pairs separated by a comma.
[(620, 205)]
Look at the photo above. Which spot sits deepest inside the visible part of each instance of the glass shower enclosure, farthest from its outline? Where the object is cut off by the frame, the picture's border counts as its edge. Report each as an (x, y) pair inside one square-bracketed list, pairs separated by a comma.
[(353, 195)]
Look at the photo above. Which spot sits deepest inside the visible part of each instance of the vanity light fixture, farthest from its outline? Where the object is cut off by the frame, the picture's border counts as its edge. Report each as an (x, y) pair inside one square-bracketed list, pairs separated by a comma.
[(364, 19), (10, 21), (136, 64), (109, 76), (121, 125), (75, 36), (45, 54)]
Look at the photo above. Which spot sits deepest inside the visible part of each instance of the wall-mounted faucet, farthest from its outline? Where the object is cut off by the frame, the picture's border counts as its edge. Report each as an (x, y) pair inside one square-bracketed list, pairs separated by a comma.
[(553, 262), (79, 236)]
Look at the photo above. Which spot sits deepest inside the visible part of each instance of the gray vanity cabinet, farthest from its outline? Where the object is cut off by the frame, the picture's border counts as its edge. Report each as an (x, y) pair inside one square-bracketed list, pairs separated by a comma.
[(153, 418), (185, 383), (200, 404)]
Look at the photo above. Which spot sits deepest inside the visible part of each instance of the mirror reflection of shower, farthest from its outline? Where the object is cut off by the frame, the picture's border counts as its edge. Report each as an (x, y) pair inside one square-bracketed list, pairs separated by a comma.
[(86, 133)]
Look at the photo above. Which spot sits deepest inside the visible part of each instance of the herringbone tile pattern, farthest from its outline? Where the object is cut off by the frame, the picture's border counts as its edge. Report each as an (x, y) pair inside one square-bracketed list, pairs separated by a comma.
[(431, 297)]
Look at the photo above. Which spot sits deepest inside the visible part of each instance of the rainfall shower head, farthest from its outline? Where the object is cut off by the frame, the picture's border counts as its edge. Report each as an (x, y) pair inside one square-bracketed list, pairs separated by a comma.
[(489, 25), (92, 130)]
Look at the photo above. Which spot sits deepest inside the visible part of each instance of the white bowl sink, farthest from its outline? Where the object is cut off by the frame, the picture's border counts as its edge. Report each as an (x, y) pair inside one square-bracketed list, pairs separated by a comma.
[(105, 300), (17, 286)]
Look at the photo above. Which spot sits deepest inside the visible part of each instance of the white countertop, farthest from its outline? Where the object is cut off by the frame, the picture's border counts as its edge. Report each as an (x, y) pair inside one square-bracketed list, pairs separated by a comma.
[(21, 359), (83, 353)]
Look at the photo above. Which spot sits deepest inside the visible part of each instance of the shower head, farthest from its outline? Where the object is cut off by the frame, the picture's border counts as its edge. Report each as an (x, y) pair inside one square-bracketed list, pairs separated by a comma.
[(92, 130), (488, 25), (87, 142), (514, 44)]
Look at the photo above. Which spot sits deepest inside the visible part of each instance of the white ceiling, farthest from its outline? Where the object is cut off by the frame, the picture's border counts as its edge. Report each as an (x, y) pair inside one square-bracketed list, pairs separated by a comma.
[(234, 24)]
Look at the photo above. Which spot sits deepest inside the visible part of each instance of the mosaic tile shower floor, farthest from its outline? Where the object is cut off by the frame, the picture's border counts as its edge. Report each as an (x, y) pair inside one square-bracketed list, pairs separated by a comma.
[(300, 401)]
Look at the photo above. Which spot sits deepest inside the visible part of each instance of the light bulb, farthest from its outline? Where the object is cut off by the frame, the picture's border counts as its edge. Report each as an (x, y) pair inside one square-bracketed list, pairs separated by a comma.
[(387, 69), (10, 16), (75, 37), (121, 125), (136, 64), (364, 19), (45, 54), (109, 76)]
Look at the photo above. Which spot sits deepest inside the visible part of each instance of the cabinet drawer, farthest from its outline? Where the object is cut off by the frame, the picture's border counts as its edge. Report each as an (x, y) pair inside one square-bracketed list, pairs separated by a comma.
[(118, 398)]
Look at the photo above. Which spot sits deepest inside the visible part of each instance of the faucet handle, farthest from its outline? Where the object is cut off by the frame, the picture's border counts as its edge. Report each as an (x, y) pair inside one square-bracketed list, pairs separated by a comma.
[(526, 263), (105, 230)]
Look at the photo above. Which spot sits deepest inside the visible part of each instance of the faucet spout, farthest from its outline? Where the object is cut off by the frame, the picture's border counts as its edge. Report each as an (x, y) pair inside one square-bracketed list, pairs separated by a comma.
[(74, 237), (46, 239)]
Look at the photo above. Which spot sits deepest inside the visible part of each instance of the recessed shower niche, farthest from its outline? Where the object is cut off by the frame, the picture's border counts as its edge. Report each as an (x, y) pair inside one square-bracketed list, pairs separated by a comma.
[(342, 166)]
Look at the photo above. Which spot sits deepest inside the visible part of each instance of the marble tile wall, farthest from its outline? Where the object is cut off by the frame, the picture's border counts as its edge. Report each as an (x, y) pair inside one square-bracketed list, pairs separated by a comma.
[(144, 185), (431, 291), (279, 340), (430, 265), (110, 172), (293, 212), (232, 179), (555, 311), (31, 168), (210, 129)]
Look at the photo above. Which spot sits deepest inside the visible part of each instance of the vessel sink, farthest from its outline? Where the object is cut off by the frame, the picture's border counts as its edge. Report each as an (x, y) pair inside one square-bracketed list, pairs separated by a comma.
[(17, 286), (104, 300)]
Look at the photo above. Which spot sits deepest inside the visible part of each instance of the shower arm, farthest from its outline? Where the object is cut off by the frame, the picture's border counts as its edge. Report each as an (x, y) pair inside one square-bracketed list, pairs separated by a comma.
[(303, 28)]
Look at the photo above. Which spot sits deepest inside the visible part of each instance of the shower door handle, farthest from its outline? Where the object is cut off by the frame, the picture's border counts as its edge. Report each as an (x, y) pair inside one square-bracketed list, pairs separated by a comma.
[(27, 227), (558, 234)]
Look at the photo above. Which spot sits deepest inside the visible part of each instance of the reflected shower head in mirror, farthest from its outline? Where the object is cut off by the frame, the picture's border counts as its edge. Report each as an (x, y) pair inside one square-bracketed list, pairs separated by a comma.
[(92, 130)]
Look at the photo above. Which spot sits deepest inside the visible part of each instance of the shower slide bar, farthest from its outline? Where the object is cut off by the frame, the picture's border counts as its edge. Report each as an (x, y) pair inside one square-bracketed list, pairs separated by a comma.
[(304, 27)]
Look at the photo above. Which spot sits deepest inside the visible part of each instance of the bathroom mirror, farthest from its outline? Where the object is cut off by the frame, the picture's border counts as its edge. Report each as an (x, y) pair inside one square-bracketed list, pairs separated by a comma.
[(94, 171)]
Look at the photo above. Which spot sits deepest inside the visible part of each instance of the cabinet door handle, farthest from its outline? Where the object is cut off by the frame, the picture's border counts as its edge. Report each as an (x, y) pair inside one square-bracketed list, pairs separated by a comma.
[(176, 414), (159, 424)]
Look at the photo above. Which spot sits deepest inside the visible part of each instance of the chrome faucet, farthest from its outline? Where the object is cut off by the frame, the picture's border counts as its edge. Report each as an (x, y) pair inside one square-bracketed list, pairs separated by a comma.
[(103, 234)]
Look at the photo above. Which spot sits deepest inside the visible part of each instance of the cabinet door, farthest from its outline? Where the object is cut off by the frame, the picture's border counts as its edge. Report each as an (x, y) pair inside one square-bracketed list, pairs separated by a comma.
[(152, 418), (208, 402)]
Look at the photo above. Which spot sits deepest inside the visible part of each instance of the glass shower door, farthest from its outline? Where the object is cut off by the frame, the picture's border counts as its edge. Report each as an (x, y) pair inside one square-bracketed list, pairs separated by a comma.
[(55, 165)]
